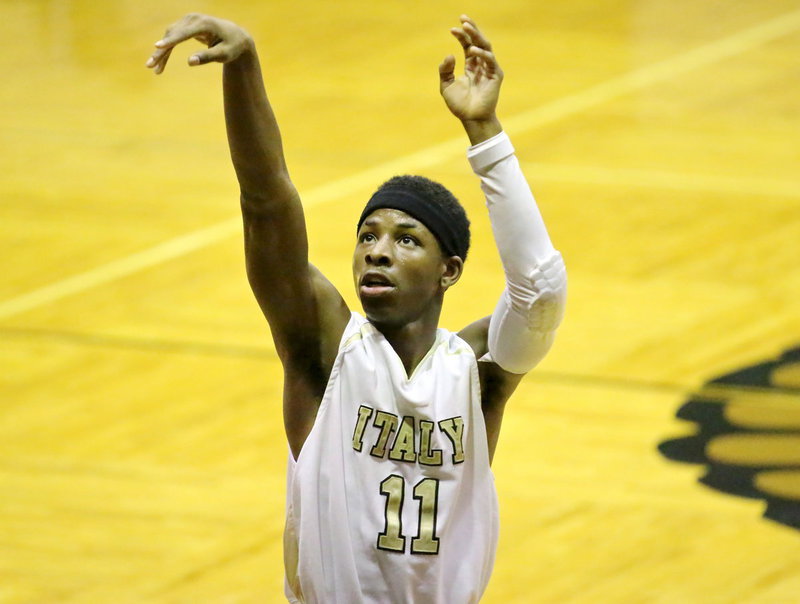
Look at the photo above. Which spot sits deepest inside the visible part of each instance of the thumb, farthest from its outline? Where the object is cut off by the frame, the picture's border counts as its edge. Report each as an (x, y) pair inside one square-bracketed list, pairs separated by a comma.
[(447, 71), (217, 53)]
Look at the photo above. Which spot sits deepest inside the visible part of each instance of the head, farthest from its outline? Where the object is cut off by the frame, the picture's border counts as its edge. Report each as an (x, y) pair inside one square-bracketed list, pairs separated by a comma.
[(413, 238)]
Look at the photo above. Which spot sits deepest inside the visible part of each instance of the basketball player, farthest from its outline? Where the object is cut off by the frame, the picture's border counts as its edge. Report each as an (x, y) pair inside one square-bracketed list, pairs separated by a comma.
[(391, 421)]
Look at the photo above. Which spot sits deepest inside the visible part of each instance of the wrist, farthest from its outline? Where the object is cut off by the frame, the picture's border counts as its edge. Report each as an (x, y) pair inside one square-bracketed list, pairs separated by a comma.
[(482, 130), (243, 56)]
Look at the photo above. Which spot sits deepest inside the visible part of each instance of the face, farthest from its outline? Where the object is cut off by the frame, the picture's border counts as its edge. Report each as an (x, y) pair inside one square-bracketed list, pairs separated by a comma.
[(399, 269)]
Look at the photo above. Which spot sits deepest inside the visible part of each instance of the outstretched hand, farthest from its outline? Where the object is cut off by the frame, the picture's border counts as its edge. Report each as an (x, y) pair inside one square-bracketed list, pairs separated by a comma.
[(226, 41), (472, 96)]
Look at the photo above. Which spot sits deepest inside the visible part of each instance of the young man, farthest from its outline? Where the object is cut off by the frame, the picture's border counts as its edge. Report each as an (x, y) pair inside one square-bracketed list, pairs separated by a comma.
[(391, 422)]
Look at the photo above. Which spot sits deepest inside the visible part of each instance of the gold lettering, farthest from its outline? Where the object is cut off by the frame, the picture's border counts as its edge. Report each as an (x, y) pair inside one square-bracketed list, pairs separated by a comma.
[(428, 457), (364, 413), (387, 422), (403, 448), (454, 429)]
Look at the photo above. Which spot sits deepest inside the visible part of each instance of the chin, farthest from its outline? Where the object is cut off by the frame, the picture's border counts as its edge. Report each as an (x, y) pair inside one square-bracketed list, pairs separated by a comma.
[(378, 313), (381, 312)]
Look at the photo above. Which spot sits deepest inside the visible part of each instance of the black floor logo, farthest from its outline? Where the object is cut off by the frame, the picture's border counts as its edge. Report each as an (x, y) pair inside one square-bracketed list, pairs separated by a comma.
[(748, 435)]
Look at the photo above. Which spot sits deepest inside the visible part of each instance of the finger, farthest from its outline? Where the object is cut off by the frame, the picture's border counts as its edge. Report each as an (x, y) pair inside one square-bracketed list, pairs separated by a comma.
[(466, 43), (488, 66), (462, 37), (215, 53), (487, 59), (156, 57), (467, 19), (190, 26), (175, 33), (447, 71), (161, 62), (478, 39), (184, 29)]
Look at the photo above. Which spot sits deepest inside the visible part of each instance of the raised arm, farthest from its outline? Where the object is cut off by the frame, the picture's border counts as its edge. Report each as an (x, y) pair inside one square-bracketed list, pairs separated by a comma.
[(305, 312), (522, 327)]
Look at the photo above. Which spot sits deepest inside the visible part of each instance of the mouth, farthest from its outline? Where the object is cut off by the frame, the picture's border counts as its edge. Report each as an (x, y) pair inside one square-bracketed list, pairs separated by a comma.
[(374, 283)]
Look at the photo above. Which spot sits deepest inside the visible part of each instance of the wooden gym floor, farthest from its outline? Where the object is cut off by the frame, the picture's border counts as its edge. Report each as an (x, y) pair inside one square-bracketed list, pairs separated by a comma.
[(141, 448)]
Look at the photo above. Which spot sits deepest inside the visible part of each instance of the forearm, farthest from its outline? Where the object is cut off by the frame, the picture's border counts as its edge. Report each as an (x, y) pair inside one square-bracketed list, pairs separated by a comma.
[(519, 230), (253, 134), (532, 305)]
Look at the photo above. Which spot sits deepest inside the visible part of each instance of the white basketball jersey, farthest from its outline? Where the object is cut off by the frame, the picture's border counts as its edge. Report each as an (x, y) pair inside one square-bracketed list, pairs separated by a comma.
[(392, 499)]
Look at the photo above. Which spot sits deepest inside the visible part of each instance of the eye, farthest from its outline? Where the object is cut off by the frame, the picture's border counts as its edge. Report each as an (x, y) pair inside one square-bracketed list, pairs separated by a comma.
[(408, 240), (366, 237)]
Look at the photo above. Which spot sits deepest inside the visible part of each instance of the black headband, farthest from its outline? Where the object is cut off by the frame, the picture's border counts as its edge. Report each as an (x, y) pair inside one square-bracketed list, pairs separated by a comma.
[(430, 214)]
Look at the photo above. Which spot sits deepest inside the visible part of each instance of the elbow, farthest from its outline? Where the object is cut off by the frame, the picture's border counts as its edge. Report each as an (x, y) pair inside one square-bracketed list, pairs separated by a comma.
[(523, 326), (268, 198), (541, 295)]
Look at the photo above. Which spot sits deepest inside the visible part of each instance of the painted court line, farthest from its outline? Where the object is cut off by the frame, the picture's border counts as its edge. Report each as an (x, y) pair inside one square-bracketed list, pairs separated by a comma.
[(758, 188), (262, 353), (558, 109), (703, 56)]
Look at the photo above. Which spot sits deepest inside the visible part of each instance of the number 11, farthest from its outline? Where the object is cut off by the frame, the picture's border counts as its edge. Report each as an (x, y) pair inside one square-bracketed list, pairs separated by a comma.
[(426, 491)]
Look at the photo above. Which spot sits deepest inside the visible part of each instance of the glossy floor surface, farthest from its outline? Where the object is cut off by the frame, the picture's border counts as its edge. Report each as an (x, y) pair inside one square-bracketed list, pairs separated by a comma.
[(141, 448)]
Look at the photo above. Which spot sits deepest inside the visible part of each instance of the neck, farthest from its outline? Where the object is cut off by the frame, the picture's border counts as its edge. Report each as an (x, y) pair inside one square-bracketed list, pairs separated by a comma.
[(411, 341)]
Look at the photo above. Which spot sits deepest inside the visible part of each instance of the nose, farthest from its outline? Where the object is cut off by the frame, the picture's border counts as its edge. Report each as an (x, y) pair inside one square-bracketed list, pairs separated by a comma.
[(379, 254)]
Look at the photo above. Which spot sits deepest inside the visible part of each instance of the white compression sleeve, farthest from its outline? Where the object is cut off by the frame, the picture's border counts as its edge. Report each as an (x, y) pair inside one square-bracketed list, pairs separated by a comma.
[(522, 327)]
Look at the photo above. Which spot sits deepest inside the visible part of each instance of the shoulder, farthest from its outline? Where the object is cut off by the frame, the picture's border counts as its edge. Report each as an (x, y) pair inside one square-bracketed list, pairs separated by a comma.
[(476, 334)]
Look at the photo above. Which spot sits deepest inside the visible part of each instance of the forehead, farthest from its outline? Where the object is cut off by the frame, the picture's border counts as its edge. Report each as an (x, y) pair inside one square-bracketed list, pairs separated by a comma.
[(391, 217)]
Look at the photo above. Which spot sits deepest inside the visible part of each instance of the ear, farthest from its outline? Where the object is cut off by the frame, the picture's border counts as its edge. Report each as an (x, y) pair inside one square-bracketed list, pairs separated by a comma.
[(453, 267)]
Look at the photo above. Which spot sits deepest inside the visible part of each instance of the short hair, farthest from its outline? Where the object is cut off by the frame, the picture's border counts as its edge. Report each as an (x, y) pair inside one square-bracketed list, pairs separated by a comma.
[(446, 204)]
